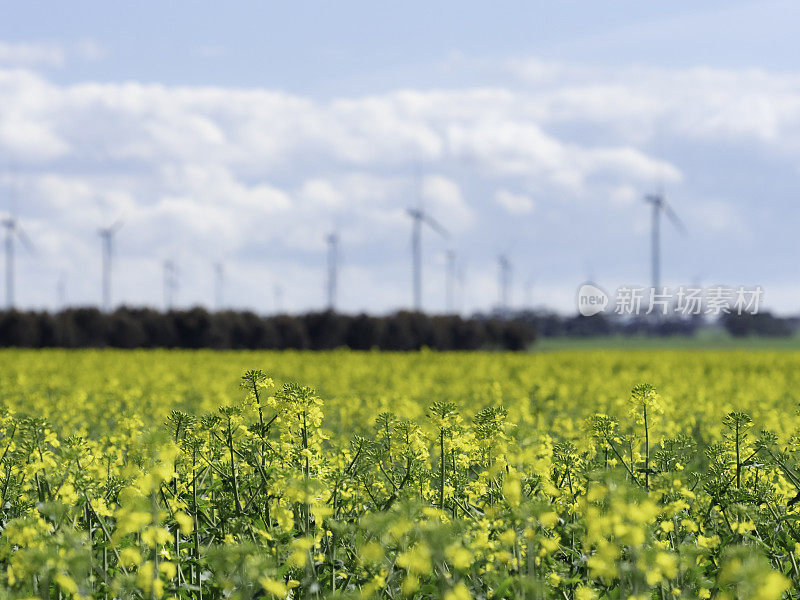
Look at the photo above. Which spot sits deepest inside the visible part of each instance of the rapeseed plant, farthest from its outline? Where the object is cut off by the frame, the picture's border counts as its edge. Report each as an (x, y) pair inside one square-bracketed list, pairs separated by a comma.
[(156, 488)]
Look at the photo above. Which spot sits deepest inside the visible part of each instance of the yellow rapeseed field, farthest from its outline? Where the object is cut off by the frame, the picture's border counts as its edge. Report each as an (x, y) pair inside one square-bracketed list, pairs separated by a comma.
[(571, 475)]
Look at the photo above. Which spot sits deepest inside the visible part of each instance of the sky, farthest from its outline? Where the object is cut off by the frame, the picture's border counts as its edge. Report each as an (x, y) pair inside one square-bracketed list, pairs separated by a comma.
[(245, 134)]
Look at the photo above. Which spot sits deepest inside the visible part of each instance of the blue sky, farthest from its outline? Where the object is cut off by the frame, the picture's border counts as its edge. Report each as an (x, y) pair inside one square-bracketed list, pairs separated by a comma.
[(244, 135)]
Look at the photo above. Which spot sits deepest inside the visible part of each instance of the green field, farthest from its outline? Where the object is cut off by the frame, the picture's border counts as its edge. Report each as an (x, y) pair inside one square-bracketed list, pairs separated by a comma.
[(561, 474), (704, 340)]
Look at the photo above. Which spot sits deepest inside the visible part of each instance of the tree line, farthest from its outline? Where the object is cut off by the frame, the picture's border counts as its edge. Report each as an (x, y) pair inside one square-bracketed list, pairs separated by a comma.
[(763, 324), (198, 328)]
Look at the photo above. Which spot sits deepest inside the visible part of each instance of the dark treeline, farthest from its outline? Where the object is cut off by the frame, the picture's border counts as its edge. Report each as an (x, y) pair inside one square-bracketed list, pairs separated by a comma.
[(761, 324), (547, 324), (198, 328)]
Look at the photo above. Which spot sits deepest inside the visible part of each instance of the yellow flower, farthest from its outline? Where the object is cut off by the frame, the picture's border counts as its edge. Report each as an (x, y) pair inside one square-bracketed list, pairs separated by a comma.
[(416, 560), (410, 584), (297, 558), (185, 522), (708, 542), (66, 583), (458, 592), (667, 564), (548, 519), (645, 397), (512, 488), (508, 537), (274, 587), (585, 593), (458, 556), (130, 557), (653, 577), (743, 526), (168, 569), (372, 552), (549, 544), (772, 586)]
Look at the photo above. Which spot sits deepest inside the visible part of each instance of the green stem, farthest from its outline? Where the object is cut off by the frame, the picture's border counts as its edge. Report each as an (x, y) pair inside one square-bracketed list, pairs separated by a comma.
[(646, 451), (441, 467)]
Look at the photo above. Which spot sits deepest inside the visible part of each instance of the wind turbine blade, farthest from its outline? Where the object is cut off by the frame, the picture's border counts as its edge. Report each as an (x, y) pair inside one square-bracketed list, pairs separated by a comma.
[(26, 241), (435, 225), (116, 226), (676, 221)]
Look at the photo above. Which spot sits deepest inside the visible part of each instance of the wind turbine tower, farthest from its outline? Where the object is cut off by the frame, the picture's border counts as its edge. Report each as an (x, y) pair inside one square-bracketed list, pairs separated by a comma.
[(450, 282), (12, 232), (170, 283), (61, 292), (333, 269), (219, 283), (418, 218), (278, 294), (9, 225), (107, 240), (660, 205), (505, 283)]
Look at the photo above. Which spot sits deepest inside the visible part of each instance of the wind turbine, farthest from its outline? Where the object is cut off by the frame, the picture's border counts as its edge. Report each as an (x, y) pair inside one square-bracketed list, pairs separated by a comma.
[(170, 283), (61, 291), (278, 294), (505, 282), (450, 282), (418, 218), (219, 282), (461, 280), (107, 237), (660, 205), (333, 269), (12, 232)]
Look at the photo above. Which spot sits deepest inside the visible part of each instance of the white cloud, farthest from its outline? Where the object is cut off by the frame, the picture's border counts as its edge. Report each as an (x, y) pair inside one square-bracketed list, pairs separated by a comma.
[(321, 193), (514, 204), (444, 200), (717, 217), (261, 176), (48, 54), (624, 194), (28, 54), (697, 103), (30, 140)]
